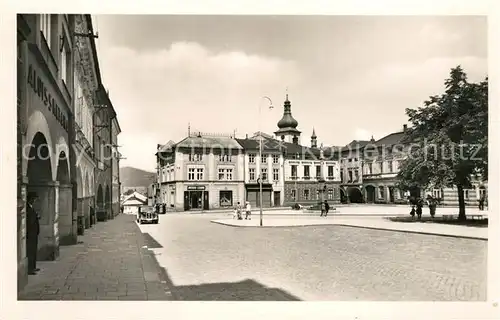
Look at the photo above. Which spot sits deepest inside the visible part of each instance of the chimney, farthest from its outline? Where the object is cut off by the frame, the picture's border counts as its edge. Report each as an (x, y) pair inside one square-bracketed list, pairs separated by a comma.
[(246, 136), (405, 127)]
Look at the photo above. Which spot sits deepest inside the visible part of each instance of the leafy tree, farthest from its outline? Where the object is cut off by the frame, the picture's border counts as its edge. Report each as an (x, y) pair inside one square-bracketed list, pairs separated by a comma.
[(448, 138)]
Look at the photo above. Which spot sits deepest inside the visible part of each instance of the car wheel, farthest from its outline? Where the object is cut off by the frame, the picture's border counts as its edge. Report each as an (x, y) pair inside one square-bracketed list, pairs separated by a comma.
[(156, 222)]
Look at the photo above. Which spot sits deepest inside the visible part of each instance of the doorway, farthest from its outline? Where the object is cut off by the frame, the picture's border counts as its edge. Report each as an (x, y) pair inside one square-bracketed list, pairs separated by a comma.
[(391, 194), (195, 200), (277, 198)]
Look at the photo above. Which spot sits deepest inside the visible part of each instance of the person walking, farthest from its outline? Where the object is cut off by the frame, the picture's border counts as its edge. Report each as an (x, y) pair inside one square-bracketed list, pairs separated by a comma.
[(248, 211), (238, 210), (32, 232), (327, 208), (420, 204), (432, 203), (481, 202)]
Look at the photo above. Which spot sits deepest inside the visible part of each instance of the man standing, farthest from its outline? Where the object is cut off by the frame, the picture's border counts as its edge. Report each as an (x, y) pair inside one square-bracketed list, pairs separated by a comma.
[(32, 232), (327, 208)]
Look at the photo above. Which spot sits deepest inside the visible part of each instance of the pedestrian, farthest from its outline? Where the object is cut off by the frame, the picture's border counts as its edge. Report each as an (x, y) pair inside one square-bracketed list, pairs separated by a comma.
[(248, 211), (412, 212), (237, 211), (481, 202), (432, 203), (327, 208), (420, 204), (32, 232), (322, 208)]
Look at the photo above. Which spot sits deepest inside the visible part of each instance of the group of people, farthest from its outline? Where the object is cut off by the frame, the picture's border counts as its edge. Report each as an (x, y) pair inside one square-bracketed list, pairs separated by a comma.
[(238, 211)]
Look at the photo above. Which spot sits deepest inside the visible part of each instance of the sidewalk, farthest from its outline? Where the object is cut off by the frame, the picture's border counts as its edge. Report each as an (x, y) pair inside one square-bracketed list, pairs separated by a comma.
[(366, 222), (108, 263)]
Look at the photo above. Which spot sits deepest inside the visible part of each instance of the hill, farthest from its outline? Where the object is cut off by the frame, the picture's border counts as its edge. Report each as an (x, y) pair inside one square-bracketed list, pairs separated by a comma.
[(133, 177)]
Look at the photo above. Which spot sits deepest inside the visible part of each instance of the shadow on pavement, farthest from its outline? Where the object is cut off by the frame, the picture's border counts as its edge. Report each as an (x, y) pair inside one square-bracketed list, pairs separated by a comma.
[(151, 242)]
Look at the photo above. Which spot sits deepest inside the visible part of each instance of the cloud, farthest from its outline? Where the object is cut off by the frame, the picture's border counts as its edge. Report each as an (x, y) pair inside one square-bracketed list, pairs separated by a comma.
[(157, 93)]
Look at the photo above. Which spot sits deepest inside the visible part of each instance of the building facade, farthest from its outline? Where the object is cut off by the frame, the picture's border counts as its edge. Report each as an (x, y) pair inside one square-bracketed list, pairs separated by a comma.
[(86, 82), (58, 78), (45, 132), (201, 172)]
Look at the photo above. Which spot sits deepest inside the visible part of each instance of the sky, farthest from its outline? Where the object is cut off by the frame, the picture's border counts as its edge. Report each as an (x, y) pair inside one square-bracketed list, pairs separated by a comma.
[(348, 77)]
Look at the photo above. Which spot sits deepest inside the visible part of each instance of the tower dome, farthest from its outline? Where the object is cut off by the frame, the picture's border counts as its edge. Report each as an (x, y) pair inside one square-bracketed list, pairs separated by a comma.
[(287, 121)]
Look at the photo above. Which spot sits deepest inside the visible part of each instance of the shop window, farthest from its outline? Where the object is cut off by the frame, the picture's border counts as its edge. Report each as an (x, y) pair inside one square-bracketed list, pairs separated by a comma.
[(225, 198)]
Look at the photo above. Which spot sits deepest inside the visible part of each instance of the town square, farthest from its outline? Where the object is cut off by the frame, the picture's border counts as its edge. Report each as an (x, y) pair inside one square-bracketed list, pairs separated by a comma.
[(252, 158)]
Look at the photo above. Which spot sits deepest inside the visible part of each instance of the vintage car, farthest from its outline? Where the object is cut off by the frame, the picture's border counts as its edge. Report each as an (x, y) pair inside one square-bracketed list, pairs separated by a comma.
[(147, 214)]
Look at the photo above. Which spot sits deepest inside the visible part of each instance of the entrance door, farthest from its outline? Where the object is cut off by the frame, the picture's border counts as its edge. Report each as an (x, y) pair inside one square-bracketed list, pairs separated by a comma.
[(277, 198), (195, 199), (205, 200), (186, 200)]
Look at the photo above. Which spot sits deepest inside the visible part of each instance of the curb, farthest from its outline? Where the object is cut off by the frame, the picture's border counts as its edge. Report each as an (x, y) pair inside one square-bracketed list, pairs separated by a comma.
[(415, 232), (353, 226)]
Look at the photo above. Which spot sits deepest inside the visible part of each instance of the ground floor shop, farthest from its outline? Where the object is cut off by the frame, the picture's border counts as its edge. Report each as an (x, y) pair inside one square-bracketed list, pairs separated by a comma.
[(182, 196)]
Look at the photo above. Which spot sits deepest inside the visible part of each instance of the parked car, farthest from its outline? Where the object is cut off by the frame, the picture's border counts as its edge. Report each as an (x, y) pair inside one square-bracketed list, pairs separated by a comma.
[(147, 214)]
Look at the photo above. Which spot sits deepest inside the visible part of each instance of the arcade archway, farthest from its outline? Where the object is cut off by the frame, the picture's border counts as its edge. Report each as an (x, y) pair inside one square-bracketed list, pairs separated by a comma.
[(39, 173), (67, 225), (355, 195), (107, 201), (370, 194), (343, 196)]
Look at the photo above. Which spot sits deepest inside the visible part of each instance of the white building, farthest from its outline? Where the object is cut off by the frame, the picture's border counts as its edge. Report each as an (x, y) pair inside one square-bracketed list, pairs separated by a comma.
[(132, 202)]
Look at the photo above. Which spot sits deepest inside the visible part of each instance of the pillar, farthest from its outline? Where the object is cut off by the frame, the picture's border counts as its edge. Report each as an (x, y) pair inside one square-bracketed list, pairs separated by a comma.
[(67, 220), (47, 207), (22, 260)]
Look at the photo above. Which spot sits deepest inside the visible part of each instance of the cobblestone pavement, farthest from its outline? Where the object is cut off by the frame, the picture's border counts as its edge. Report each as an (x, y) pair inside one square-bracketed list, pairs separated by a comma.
[(207, 261), (109, 263)]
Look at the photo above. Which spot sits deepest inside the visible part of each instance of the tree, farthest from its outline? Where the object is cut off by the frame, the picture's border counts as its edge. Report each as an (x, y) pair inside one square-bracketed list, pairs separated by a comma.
[(448, 138)]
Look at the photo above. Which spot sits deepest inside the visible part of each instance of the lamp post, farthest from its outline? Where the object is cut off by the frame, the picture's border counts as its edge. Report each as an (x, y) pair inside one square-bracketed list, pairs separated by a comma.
[(260, 154)]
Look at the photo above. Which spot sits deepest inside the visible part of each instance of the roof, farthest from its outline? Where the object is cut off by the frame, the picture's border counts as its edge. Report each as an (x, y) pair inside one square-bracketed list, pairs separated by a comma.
[(290, 149), (208, 142), (355, 144), (390, 139), (166, 147), (135, 195)]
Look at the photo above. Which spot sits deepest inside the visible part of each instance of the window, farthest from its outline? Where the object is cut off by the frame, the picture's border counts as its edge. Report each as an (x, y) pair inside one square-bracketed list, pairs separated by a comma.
[(199, 174), (356, 175), (251, 158), (225, 198), (306, 194), (225, 158), (264, 174), (264, 158), (294, 194), (252, 174), (389, 165), (370, 168), (330, 194), (63, 65), (330, 172), (341, 175), (221, 174), (436, 193), (45, 27), (350, 175), (195, 157), (294, 171), (306, 172), (276, 174), (191, 174), (229, 174), (466, 194), (381, 164), (276, 158), (318, 171), (482, 193)]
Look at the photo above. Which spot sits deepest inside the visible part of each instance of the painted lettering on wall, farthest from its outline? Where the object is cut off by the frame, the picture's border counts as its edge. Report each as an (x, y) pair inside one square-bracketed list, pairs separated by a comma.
[(40, 89)]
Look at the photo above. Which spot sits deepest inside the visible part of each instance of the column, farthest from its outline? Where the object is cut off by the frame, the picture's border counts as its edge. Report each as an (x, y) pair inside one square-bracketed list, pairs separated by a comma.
[(387, 194), (22, 260), (47, 206), (67, 220)]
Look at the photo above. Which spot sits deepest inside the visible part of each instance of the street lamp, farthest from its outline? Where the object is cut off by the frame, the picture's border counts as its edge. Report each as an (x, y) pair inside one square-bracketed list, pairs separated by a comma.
[(260, 154)]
